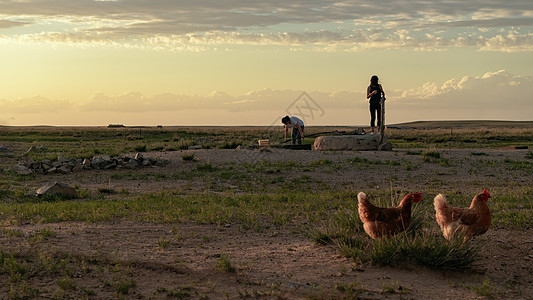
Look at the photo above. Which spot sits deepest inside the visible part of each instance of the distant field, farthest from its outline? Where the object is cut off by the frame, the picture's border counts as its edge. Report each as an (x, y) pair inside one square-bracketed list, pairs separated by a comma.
[(421, 134), (465, 124), (414, 124)]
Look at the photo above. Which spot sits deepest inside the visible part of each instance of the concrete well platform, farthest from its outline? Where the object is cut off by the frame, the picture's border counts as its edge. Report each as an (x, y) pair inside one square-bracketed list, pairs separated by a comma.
[(352, 142)]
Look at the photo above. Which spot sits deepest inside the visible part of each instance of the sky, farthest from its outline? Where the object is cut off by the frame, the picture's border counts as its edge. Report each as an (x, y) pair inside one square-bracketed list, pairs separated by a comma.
[(236, 62)]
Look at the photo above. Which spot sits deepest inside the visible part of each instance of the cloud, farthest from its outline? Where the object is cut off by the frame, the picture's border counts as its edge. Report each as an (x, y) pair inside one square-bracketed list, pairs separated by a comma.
[(188, 26), (492, 89), (493, 95), (321, 41), (137, 102), (37, 104), (498, 91), (10, 24)]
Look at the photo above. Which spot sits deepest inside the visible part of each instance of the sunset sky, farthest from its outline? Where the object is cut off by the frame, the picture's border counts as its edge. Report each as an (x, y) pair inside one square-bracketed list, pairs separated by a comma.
[(213, 62)]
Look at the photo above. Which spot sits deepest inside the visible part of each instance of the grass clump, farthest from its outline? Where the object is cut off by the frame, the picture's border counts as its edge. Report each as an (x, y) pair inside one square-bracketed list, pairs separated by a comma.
[(485, 289), (478, 154), (188, 156), (429, 156), (529, 155), (140, 148), (207, 166), (180, 292), (121, 286), (224, 264), (162, 243), (425, 249), (417, 245), (104, 190)]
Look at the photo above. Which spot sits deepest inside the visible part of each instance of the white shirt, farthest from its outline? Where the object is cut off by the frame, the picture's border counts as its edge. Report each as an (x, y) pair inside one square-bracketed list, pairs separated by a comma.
[(294, 121)]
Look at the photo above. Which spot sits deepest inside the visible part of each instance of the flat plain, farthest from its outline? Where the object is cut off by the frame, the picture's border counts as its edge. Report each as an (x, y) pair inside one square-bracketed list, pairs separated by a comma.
[(217, 222)]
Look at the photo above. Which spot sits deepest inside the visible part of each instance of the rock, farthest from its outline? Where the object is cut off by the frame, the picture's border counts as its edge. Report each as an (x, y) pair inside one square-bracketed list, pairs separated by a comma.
[(104, 157), (132, 164), (101, 161), (64, 165), (74, 161), (161, 163), (63, 170), (112, 165), (351, 142), (23, 170), (86, 163), (57, 188), (78, 168)]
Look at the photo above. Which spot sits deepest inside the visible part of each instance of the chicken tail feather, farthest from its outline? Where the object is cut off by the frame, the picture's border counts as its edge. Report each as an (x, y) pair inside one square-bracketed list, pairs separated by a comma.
[(440, 202), (361, 197)]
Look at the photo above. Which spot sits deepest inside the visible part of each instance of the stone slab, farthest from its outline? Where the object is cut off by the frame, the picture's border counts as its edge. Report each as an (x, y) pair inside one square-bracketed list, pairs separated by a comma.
[(352, 142)]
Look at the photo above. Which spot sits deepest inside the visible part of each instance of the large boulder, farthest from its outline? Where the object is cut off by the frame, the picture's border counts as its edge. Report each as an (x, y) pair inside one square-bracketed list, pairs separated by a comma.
[(57, 188), (352, 142)]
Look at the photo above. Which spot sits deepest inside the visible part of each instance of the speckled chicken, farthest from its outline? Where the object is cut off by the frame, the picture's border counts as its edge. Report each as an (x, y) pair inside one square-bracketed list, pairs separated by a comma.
[(465, 222), (386, 221)]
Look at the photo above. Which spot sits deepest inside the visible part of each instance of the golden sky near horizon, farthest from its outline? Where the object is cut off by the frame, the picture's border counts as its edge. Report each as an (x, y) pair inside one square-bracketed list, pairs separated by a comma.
[(73, 62)]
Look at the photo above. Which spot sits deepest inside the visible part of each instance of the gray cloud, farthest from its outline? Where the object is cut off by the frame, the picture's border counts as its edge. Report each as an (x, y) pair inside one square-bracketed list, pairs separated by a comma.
[(187, 22), (10, 24)]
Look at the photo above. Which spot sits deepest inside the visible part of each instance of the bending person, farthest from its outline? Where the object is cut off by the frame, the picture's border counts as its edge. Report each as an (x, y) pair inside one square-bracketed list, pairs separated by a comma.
[(297, 126)]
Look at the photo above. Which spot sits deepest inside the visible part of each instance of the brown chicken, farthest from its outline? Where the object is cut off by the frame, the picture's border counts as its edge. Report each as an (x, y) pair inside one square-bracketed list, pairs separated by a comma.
[(381, 221), (464, 222)]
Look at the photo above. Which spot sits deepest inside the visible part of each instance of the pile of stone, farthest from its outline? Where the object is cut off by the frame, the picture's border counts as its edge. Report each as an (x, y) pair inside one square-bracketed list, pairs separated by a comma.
[(105, 162)]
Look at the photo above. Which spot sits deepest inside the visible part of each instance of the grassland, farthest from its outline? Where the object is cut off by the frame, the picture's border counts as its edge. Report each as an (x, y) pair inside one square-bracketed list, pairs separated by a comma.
[(269, 223)]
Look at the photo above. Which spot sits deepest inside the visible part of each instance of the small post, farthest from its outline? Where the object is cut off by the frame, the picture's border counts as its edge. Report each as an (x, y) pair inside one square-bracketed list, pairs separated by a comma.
[(382, 126)]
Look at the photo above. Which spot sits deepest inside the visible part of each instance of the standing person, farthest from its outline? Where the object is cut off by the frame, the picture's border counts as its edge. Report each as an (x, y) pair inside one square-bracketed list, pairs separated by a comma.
[(297, 126), (375, 92)]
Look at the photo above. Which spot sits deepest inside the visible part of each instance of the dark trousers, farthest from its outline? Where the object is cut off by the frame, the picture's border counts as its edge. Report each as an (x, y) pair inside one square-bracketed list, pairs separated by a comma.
[(296, 135), (375, 108)]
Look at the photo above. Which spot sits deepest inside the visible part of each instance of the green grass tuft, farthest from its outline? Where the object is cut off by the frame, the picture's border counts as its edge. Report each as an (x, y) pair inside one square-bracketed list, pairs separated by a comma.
[(224, 265), (421, 244), (189, 156)]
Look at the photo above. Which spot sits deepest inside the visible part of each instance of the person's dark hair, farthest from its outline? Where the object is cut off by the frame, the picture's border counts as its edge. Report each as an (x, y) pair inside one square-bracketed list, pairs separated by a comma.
[(374, 80), (285, 119)]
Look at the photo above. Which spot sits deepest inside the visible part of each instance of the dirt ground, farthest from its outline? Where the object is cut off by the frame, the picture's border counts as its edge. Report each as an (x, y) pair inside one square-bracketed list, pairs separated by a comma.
[(285, 263)]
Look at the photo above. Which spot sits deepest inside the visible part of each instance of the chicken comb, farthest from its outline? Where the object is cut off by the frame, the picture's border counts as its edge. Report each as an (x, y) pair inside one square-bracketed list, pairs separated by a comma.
[(417, 197), (486, 193)]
